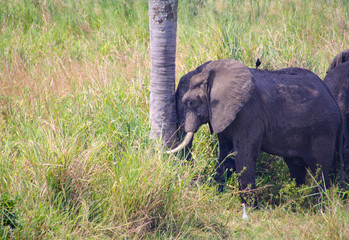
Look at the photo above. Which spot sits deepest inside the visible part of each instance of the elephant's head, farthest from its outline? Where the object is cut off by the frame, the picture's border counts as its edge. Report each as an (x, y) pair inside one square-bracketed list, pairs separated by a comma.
[(340, 58), (213, 93)]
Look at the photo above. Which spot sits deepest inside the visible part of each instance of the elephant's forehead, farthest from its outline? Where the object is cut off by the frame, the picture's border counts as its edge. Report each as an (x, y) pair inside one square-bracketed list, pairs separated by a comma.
[(197, 79), (192, 94)]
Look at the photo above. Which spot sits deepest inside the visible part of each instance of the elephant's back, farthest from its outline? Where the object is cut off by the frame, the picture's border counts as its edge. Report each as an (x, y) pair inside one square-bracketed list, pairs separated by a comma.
[(296, 94), (288, 77), (292, 84)]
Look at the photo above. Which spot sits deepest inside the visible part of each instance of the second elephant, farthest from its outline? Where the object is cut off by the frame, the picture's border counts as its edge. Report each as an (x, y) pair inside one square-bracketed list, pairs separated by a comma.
[(289, 113), (337, 81)]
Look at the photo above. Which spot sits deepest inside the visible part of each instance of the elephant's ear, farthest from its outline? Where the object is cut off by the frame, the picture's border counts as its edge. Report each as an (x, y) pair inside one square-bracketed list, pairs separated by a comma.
[(230, 86)]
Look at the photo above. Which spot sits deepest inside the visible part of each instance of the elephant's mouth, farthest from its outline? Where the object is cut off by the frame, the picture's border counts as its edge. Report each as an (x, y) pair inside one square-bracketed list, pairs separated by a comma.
[(183, 144)]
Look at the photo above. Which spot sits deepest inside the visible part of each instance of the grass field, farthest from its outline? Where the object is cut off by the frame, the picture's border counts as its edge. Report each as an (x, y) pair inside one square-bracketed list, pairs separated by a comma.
[(75, 159)]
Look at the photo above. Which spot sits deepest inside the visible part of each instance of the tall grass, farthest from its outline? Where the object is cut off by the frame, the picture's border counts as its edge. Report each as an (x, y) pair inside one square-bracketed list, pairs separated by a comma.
[(75, 160)]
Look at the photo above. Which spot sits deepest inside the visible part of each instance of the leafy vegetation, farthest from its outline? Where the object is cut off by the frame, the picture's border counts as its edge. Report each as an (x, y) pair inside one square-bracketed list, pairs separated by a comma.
[(75, 160)]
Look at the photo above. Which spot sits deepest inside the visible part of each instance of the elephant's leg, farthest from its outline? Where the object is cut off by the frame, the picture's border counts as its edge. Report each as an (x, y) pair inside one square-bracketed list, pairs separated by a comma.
[(246, 166), (247, 134), (322, 172), (248, 146), (226, 163), (321, 156), (248, 149), (297, 169), (346, 144), (245, 160)]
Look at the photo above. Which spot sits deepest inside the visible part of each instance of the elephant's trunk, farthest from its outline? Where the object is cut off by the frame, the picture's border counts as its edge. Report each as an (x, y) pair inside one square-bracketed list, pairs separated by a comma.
[(184, 143)]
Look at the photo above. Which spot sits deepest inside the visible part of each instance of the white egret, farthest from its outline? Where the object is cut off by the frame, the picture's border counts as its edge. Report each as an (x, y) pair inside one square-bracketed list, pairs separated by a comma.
[(244, 214)]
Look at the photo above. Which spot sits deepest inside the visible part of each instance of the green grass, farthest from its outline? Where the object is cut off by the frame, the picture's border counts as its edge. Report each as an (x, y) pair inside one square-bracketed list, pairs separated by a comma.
[(75, 159)]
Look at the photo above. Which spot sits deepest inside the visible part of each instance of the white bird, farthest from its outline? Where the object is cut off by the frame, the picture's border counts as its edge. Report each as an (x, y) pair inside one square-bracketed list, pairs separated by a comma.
[(244, 214)]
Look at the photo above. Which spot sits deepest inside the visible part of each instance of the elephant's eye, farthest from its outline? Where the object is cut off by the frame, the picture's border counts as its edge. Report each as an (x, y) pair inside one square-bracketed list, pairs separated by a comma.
[(189, 103), (198, 98)]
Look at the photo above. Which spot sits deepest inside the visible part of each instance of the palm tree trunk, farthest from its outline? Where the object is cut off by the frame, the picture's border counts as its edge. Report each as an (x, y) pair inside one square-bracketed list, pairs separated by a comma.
[(163, 27)]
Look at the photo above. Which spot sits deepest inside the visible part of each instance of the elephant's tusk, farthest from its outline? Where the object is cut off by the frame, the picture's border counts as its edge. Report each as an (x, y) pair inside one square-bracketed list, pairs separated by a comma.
[(184, 143)]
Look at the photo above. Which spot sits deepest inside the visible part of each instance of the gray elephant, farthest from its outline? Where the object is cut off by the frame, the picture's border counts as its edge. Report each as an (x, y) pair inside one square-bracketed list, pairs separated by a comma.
[(337, 81), (339, 59), (289, 113)]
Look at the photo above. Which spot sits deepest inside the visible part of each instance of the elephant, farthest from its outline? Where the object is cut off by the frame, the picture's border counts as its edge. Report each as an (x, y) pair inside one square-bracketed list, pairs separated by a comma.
[(337, 81), (287, 112), (339, 59)]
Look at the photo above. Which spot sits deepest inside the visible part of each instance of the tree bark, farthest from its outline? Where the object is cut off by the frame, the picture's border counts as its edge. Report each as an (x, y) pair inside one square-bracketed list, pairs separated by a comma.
[(163, 28)]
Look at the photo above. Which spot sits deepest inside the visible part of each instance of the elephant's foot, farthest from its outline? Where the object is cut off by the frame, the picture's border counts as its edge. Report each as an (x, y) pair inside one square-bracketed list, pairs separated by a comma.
[(248, 196)]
